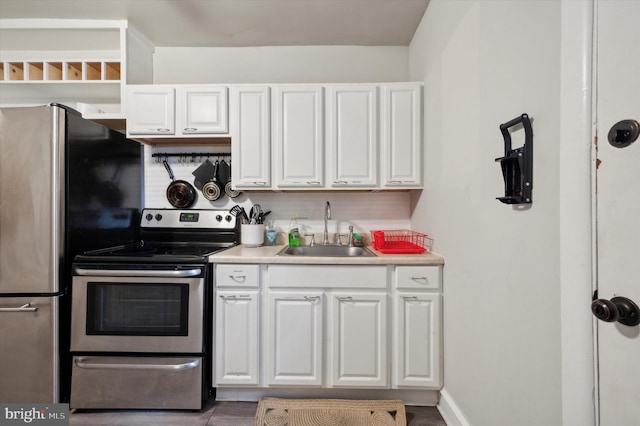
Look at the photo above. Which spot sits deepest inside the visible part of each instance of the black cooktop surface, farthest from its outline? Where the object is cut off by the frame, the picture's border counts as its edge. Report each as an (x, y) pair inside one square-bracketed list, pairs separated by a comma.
[(166, 252)]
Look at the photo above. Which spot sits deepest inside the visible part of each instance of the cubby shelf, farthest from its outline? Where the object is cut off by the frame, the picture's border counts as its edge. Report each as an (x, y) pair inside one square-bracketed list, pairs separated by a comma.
[(80, 63), (57, 71)]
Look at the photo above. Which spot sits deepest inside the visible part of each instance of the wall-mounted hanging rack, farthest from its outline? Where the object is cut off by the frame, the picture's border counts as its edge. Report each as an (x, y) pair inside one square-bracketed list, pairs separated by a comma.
[(185, 157), (517, 164)]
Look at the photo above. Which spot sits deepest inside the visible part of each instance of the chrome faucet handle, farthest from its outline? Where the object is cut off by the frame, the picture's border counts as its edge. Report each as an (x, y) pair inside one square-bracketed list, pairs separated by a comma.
[(339, 239), (313, 239)]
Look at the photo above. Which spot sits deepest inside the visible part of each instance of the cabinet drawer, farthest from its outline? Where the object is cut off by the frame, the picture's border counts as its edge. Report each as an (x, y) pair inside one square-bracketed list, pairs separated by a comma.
[(334, 276), (237, 275), (418, 277)]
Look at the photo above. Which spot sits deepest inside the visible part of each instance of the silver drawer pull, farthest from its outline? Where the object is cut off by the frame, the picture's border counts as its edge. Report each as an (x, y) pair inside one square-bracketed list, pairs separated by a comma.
[(419, 278), (238, 277), (86, 363), (235, 297), (190, 129), (24, 308), (312, 299), (410, 297), (344, 298)]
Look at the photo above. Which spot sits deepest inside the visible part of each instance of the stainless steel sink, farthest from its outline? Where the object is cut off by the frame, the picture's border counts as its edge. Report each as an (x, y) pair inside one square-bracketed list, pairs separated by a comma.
[(325, 251)]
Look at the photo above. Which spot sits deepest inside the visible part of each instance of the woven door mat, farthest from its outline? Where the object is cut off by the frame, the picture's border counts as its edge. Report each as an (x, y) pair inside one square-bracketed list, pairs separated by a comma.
[(329, 412)]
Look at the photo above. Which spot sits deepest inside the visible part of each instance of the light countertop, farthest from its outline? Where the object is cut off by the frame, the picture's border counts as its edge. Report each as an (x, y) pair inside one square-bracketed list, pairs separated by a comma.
[(267, 254)]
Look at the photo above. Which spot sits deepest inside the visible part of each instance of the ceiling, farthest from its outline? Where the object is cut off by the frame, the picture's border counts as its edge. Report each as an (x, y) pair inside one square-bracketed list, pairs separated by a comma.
[(234, 23)]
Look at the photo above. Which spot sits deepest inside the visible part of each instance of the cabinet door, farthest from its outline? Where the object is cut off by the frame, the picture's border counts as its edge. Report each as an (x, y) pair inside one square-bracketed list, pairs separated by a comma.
[(352, 142), (236, 338), (202, 110), (250, 114), (401, 135), (294, 338), (416, 346), (358, 337), (150, 110), (299, 136)]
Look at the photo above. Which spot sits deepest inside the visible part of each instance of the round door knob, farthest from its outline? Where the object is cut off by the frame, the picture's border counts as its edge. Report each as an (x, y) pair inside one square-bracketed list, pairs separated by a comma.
[(604, 310), (628, 311), (621, 309)]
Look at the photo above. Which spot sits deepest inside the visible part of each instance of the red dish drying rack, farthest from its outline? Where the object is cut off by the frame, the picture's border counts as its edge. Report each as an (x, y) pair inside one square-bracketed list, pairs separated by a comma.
[(400, 241)]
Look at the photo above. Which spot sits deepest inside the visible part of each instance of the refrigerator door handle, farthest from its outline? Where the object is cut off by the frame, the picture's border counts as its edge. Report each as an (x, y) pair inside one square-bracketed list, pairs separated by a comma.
[(24, 308)]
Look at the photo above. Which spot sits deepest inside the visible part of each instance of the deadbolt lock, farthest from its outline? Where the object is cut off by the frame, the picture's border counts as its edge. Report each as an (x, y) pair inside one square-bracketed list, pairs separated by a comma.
[(624, 133)]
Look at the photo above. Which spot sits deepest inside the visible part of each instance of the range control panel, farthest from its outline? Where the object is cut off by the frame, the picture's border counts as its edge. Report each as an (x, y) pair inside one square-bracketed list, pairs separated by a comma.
[(172, 218)]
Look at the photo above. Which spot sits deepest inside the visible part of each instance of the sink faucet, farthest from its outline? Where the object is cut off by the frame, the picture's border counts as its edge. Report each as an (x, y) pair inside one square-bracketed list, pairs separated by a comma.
[(327, 216)]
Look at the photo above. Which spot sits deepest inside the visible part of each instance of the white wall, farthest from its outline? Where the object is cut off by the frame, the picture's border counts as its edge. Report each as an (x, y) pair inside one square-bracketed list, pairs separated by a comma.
[(300, 64), (274, 64), (484, 63)]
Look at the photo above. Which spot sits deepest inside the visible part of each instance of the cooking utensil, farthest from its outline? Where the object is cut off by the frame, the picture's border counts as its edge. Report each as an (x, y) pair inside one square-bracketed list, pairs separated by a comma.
[(228, 187), (180, 193), (255, 213), (212, 189), (203, 174), (239, 211)]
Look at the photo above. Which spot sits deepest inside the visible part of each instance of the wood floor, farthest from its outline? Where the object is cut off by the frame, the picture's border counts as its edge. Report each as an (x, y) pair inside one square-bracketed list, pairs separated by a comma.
[(213, 414)]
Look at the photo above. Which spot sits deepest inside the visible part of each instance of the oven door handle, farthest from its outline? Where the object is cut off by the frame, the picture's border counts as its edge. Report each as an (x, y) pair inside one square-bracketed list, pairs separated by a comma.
[(86, 363), (134, 273)]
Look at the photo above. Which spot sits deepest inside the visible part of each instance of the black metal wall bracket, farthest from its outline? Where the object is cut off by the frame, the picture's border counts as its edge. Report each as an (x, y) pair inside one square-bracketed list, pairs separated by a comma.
[(517, 164)]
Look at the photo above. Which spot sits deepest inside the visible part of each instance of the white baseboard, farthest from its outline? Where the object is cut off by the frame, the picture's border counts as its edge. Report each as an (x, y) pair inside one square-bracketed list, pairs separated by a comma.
[(450, 412)]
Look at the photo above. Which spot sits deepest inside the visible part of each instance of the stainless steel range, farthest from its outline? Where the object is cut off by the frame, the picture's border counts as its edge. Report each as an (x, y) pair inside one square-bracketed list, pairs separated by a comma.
[(140, 314)]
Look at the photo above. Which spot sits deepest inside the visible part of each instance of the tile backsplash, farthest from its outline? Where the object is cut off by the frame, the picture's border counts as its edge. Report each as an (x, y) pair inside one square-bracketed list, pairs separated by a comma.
[(364, 210)]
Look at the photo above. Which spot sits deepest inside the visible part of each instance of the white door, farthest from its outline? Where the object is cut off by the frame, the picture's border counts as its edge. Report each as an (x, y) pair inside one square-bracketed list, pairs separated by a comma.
[(618, 209), (416, 340), (400, 133), (299, 136), (294, 338), (151, 110), (358, 339), (250, 116), (352, 136), (202, 110), (236, 347)]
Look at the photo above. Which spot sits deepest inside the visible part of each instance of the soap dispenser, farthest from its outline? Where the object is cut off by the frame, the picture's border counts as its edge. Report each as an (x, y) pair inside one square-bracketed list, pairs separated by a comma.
[(294, 233)]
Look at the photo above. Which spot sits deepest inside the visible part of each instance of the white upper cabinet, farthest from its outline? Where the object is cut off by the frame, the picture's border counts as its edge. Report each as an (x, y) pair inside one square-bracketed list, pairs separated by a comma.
[(159, 110), (352, 136), (150, 110), (250, 122), (400, 129), (202, 109), (298, 131)]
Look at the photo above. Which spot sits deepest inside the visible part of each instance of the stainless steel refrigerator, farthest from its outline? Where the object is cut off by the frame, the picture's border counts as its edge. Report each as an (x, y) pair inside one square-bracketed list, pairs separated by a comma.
[(67, 185)]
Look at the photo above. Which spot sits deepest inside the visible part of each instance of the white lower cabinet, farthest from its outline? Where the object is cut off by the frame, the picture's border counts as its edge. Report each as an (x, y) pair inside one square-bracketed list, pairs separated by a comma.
[(331, 326), (236, 337), (358, 339), (294, 335), (416, 340)]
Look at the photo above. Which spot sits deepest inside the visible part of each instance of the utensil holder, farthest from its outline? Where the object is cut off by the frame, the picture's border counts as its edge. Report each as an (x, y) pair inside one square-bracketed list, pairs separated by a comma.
[(252, 235)]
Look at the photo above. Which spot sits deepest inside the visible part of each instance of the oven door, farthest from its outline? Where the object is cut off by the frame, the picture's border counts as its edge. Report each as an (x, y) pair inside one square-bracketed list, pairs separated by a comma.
[(157, 311)]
